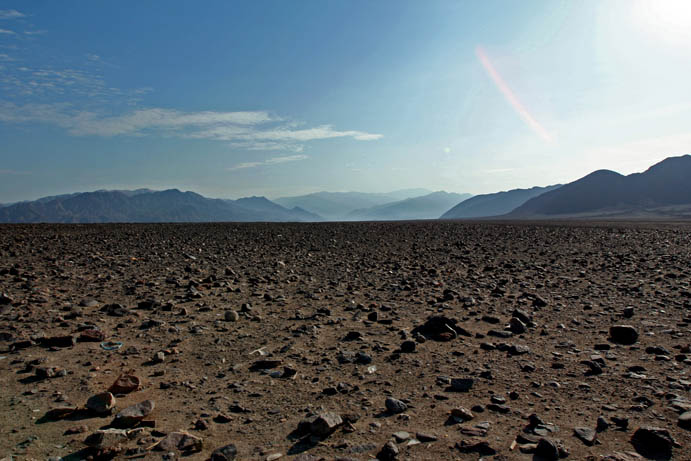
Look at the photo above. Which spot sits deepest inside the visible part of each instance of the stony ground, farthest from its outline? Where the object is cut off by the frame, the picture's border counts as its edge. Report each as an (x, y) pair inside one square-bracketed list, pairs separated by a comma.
[(429, 340)]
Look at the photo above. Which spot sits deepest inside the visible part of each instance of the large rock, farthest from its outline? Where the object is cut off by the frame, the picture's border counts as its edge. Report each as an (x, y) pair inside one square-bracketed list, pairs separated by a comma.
[(389, 452), (547, 449), (133, 414), (125, 384), (395, 406), (623, 334), (461, 384), (225, 453), (106, 438), (476, 445), (102, 403), (438, 328), (653, 442), (586, 435), (685, 420), (179, 441), (58, 341), (325, 424)]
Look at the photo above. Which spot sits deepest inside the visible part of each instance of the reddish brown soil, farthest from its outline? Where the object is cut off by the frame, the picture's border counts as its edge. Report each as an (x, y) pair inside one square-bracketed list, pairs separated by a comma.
[(309, 286)]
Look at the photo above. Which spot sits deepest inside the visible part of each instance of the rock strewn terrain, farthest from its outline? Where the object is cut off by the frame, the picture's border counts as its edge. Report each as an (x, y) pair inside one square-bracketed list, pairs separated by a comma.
[(431, 340)]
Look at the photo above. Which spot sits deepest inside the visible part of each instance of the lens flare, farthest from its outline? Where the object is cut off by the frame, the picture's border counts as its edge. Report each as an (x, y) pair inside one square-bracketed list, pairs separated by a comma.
[(510, 96)]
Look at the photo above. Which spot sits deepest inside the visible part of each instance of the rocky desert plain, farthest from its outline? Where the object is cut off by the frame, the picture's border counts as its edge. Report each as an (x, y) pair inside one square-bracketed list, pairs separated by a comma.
[(346, 341)]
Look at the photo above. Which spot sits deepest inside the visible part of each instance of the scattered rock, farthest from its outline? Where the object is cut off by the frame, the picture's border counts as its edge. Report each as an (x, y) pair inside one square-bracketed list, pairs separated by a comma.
[(623, 334), (653, 442), (461, 384), (586, 435), (132, 415), (389, 452), (101, 404), (547, 449), (125, 384), (325, 424), (180, 441), (395, 406), (684, 420), (224, 453), (106, 438), (475, 445)]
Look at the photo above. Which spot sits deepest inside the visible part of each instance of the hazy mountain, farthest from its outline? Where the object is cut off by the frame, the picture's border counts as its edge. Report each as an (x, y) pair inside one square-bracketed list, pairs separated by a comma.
[(495, 204), (335, 206), (264, 205), (148, 206), (428, 206), (403, 194), (664, 186)]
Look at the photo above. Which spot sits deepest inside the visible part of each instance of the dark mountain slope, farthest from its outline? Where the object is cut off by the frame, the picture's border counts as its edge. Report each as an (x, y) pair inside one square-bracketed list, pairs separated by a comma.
[(147, 206), (603, 192), (495, 204)]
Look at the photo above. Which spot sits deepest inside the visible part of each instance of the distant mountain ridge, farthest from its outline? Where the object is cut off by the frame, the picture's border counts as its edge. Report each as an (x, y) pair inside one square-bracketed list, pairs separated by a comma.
[(428, 206), (496, 204), (666, 184), (335, 206), (148, 206)]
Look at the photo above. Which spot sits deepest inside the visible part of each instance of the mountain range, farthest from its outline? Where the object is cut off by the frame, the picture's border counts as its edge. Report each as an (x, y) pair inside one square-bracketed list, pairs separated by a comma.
[(661, 192), (428, 206), (148, 206), (496, 204), (336, 206)]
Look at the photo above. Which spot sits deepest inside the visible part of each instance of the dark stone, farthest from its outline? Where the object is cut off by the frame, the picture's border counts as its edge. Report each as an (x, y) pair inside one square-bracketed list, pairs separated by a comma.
[(408, 346), (685, 420), (130, 416), (438, 328), (653, 442), (395, 406), (586, 435), (325, 424), (389, 452), (481, 447), (547, 450), (461, 384), (623, 334), (226, 453)]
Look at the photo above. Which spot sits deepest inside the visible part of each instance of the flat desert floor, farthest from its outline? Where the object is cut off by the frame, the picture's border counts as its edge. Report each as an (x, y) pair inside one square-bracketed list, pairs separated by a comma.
[(402, 341)]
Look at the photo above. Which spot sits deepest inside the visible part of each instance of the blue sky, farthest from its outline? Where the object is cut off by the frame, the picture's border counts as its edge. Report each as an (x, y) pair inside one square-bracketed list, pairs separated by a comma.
[(276, 98)]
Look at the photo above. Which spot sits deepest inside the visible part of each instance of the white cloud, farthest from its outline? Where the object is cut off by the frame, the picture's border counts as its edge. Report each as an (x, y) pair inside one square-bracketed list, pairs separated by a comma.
[(252, 130), (284, 133), (139, 121), (11, 14), (7, 32), (271, 161)]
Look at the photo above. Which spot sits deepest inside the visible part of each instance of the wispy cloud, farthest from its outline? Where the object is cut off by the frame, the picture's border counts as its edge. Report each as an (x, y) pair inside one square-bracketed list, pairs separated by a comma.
[(253, 130), (21, 80), (271, 161), (13, 172), (11, 14), (7, 32), (510, 96)]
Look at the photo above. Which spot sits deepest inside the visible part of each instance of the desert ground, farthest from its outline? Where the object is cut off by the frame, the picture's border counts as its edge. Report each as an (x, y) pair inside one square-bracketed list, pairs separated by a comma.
[(349, 341)]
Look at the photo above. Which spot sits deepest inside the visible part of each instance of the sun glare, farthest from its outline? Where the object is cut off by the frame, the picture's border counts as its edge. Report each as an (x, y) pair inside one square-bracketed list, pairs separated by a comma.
[(667, 19)]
